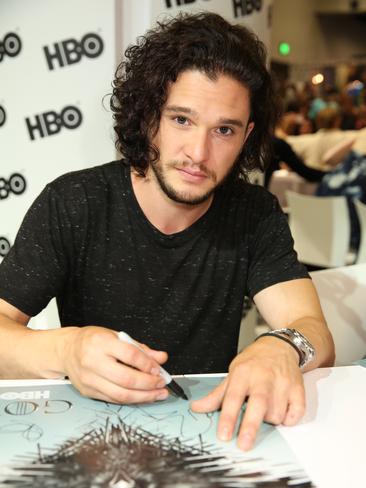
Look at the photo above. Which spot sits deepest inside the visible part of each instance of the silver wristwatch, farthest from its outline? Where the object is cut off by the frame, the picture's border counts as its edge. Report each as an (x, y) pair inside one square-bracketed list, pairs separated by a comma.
[(304, 347)]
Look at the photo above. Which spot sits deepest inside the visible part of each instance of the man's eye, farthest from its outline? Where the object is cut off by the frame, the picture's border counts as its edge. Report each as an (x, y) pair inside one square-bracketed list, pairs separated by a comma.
[(181, 120), (225, 131)]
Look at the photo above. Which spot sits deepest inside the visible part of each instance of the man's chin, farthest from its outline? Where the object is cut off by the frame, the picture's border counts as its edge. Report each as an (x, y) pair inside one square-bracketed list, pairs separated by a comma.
[(182, 192), (188, 198)]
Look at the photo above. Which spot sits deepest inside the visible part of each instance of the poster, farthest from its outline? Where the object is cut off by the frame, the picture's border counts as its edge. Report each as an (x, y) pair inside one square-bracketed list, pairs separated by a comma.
[(51, 436)]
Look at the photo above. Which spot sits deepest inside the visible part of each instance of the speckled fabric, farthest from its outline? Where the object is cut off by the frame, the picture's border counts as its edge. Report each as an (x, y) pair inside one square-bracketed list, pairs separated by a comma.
[(86, 241)]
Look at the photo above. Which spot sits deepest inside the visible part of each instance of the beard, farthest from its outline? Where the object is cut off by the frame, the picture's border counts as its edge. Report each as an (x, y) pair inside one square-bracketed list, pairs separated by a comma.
[(180, 196)]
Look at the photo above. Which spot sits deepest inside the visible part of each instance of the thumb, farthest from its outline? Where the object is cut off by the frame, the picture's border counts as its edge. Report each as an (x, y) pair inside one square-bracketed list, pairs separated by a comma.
[(212, 401)]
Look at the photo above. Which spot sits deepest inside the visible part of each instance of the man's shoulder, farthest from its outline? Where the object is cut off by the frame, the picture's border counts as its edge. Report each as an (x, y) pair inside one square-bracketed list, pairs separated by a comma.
[(250, 204), (92, 176), (84, 193), (89, 184), (92, 187), (247, 193)]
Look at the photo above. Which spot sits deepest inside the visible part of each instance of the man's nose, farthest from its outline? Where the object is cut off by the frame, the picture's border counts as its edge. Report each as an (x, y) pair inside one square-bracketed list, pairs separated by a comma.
[(197, 148)]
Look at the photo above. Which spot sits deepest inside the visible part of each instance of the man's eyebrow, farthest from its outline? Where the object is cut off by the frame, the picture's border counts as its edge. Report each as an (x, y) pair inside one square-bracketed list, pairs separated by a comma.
[(179, 108), (189, 111), (236, 122)]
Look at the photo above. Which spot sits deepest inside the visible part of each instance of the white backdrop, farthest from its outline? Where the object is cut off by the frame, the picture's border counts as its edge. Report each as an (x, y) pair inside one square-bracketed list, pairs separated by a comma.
[(138, 16), (57, 60)]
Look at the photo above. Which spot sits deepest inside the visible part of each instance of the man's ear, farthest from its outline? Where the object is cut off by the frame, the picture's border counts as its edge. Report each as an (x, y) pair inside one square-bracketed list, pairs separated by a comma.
[(250, 127)]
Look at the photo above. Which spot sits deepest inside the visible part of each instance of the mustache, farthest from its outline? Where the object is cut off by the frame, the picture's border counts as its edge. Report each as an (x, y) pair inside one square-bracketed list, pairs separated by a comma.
[(201, 167)]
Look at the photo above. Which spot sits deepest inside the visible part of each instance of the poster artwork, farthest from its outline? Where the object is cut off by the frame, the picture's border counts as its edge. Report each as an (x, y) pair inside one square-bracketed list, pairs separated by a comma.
[(51, 436)]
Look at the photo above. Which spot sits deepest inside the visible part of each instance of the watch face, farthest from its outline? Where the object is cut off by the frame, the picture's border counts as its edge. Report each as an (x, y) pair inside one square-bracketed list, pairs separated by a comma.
[(306, 348)]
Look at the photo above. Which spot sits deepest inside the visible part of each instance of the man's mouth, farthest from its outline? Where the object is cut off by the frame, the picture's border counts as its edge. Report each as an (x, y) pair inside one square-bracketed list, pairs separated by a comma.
[(191, 174)]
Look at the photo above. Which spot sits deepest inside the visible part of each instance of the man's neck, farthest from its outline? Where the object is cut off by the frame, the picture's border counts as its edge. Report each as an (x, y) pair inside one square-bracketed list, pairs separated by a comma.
[(163, 213)]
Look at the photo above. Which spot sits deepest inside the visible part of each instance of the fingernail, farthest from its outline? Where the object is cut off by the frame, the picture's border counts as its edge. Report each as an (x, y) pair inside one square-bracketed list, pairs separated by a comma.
[(162, 396), (224, 434), (245, 441), (161, 384), (155, 371)]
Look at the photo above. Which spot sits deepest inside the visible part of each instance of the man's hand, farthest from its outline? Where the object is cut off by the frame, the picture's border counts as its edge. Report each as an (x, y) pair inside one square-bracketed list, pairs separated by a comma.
[(101, 366), (267, 373)]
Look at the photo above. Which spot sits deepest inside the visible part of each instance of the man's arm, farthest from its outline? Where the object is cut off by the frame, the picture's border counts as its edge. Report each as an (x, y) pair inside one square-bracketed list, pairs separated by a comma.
[(97, 363), (267, 372), (295, 304)]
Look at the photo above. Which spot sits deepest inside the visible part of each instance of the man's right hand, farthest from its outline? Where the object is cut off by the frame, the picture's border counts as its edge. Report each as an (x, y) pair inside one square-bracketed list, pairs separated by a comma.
[(101, 366), (96, 361)]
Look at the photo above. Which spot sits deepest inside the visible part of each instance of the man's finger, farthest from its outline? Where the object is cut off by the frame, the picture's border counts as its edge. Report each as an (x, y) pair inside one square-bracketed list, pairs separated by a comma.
[(131, 355), (278, 403), (212, 401), (130, 378), (231, 408), (103, 389), (296, 407), (253, 417), (159, 356)]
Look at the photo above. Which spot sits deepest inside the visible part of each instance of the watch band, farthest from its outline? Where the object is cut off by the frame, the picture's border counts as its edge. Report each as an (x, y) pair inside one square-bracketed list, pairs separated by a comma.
[(283, 339), (303, 346)]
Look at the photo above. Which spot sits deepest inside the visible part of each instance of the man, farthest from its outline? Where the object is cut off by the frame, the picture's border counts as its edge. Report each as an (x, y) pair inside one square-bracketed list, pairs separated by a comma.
[(165, 243)]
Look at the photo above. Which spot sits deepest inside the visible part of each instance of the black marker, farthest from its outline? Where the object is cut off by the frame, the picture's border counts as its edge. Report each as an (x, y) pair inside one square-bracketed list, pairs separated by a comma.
[(170, 383)]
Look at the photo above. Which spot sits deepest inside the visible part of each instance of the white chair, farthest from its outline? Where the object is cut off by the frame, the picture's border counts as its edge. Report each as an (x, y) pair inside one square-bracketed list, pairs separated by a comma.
[(361, 213), (342, 293), (47, 319), (320, 227), (283, 180)]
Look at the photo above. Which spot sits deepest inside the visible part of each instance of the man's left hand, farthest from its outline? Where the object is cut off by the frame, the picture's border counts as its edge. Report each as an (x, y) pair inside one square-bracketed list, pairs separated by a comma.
[(266, 374)]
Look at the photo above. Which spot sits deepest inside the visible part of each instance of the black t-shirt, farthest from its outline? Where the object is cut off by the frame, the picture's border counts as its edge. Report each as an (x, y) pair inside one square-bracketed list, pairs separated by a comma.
[(86, 241)]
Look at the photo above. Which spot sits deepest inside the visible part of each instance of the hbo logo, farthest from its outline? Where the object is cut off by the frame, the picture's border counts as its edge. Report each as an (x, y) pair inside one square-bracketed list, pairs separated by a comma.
[(168, 3), (70, 51), (246, 7), (16, 184), (4, 246), (10, 45), (50, 123), (2, 116)]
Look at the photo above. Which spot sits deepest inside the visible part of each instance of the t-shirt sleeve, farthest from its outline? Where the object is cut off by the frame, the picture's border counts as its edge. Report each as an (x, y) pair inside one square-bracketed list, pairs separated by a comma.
[(272, 255), (36, 267)]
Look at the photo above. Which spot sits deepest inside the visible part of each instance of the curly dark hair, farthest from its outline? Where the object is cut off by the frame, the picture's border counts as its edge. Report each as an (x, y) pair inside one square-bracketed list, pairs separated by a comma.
[(205, 42)]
